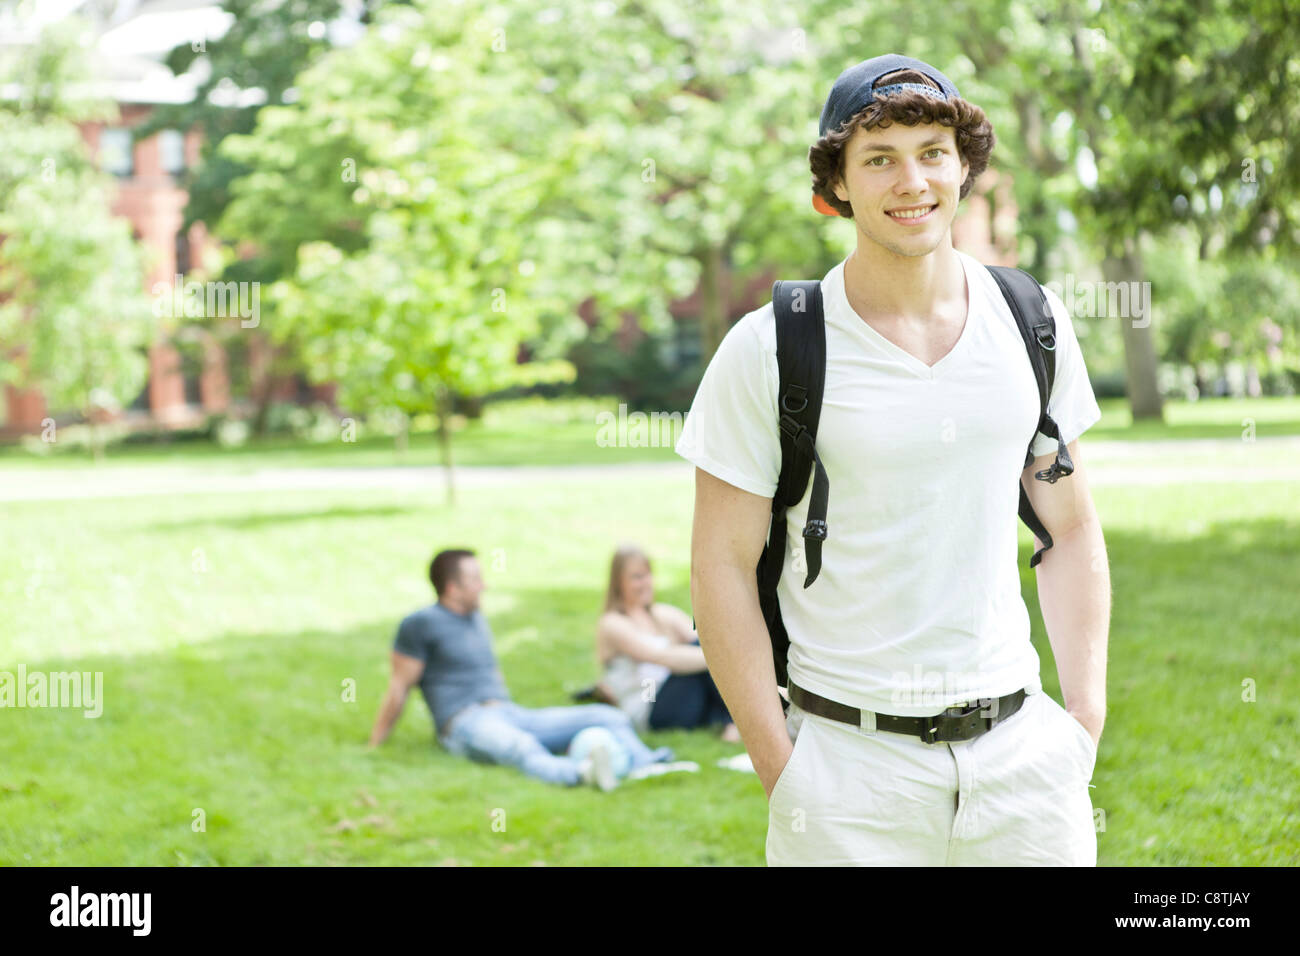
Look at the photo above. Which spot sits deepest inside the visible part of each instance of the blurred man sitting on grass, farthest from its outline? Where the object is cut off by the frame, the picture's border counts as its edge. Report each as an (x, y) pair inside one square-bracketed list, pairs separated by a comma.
[(447, 648)]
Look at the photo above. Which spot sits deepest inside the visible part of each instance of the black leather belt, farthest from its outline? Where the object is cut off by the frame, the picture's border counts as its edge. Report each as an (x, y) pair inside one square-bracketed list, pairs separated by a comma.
[(959, 722)]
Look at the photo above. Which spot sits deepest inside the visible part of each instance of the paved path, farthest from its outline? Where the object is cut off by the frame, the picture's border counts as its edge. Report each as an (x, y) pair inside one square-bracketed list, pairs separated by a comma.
[(1109, 463)]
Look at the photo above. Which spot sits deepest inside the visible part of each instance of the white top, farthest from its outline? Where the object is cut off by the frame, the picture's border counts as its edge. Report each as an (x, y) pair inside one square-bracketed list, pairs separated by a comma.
[(918, 605), (635, 684)]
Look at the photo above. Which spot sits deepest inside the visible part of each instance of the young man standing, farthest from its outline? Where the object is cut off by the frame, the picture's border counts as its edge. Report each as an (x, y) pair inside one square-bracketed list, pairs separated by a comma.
[(917, 615)]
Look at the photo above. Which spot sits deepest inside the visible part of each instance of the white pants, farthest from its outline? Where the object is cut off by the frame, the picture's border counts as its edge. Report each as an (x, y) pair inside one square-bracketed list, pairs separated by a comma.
[(1014, 796)]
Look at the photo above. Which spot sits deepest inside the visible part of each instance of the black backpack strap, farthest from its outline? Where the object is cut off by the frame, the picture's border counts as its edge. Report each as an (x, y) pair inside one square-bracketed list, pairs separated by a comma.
[(1037, 327), (801, 358)]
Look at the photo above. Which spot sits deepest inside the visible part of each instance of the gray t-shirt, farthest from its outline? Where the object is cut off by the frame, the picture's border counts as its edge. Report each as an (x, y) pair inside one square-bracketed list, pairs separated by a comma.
[(460, 667)]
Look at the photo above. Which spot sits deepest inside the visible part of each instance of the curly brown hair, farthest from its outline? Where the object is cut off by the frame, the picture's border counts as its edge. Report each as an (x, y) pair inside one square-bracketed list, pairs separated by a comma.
[(971, 129)]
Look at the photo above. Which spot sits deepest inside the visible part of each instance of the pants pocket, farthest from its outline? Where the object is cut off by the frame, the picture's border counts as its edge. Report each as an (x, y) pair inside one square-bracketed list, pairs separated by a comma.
[(800, 727), (1083, 744)]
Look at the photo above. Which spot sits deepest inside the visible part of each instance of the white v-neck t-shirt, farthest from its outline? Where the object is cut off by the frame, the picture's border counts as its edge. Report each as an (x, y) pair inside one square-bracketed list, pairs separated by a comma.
[(918, 603)]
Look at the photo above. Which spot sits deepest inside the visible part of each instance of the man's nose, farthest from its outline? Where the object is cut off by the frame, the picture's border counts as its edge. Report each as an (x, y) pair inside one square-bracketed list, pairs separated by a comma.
[(911, 179)]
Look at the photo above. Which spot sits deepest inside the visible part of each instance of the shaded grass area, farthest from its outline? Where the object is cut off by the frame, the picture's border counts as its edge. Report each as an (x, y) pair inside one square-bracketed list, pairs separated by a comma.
[(560, 431), (568, 432), (228, 628)]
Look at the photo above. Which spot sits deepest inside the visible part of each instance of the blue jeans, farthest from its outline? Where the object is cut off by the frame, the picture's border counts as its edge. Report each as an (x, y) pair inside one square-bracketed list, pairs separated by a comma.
[(534, 739)]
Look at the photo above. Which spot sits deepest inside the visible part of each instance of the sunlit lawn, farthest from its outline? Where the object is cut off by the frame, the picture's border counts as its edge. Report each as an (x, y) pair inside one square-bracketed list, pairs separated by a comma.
[(227, 628)]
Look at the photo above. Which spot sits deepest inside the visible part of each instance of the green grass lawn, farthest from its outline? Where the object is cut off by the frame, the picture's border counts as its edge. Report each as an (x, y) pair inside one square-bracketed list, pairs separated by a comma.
[(228, 626), (567, 432), (1208, 418)]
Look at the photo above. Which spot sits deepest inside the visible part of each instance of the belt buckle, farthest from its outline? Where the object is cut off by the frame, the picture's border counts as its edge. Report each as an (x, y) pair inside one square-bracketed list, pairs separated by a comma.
[(930, 725), (978, 705), (991, 709)]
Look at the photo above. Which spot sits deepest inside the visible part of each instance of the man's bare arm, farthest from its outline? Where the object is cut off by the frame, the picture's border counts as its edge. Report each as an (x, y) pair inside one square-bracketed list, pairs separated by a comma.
[(407, 671), (1074, 587), (726, 542)]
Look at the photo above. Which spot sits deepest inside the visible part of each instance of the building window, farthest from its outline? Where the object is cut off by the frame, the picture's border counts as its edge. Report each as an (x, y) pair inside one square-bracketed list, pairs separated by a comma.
[(171, 149), (115, 152), (191, 368), (141, 402), (686, 342)]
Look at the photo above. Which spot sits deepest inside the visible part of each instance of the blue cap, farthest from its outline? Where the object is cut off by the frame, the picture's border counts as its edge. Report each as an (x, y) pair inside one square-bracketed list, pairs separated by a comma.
[(855, 88)]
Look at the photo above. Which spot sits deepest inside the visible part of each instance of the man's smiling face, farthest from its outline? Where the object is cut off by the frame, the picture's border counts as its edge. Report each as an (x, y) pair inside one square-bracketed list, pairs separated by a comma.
[(903, 183)]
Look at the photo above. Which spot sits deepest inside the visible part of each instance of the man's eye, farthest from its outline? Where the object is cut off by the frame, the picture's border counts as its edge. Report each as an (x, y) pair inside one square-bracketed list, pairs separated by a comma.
[(872, 161), (937, 149)]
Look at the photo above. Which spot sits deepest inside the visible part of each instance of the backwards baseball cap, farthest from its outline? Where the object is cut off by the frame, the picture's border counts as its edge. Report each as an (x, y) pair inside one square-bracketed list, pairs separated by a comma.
[(856, 88)]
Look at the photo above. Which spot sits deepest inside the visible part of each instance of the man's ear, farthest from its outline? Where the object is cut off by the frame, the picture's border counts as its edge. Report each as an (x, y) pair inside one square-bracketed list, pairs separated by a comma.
[(838, 188)]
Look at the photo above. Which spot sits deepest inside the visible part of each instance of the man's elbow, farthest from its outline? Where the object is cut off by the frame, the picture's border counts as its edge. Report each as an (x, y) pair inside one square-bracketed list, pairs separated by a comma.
[(1083, 535), (708, 575), (1079, 526)]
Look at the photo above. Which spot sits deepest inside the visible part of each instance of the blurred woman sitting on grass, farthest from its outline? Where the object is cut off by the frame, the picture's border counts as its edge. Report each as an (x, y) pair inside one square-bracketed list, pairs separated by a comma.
[(654, 668)]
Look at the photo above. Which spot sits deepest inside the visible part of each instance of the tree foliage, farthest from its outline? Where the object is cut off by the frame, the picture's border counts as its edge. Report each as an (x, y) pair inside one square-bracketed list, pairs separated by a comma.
[(74, 318), (411, 281)]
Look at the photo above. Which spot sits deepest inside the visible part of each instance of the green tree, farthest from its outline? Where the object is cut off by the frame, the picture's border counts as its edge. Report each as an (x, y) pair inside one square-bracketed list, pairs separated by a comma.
[(74, 318), (253, 65), (265, 49), (649, 148), (679, 134), (427, 291), (1175, 105)]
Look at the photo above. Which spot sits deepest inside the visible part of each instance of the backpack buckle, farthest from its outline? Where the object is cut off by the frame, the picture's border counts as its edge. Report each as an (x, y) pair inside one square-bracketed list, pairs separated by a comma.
[(794, 391), (1057, 470), (1044, 335), (816, 528)]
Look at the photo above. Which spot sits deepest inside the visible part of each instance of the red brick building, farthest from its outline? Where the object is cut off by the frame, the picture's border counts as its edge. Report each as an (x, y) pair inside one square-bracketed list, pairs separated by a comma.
[(132, 38), (148, 196)]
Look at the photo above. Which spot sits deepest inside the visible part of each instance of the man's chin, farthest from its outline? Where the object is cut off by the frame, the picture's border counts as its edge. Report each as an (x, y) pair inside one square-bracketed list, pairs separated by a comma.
[(918, 246), (909, 251)]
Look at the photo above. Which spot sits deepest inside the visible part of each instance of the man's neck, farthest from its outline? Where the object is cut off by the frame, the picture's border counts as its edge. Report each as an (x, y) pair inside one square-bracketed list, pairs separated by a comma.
[(884, 286), (454, 608)]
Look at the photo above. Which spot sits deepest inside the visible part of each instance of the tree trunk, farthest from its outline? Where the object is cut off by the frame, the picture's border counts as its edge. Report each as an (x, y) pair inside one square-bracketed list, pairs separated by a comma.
[(260, 371), (713, 307), (401, 441), (444, 447), (1139, 347), (1202, 383)]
